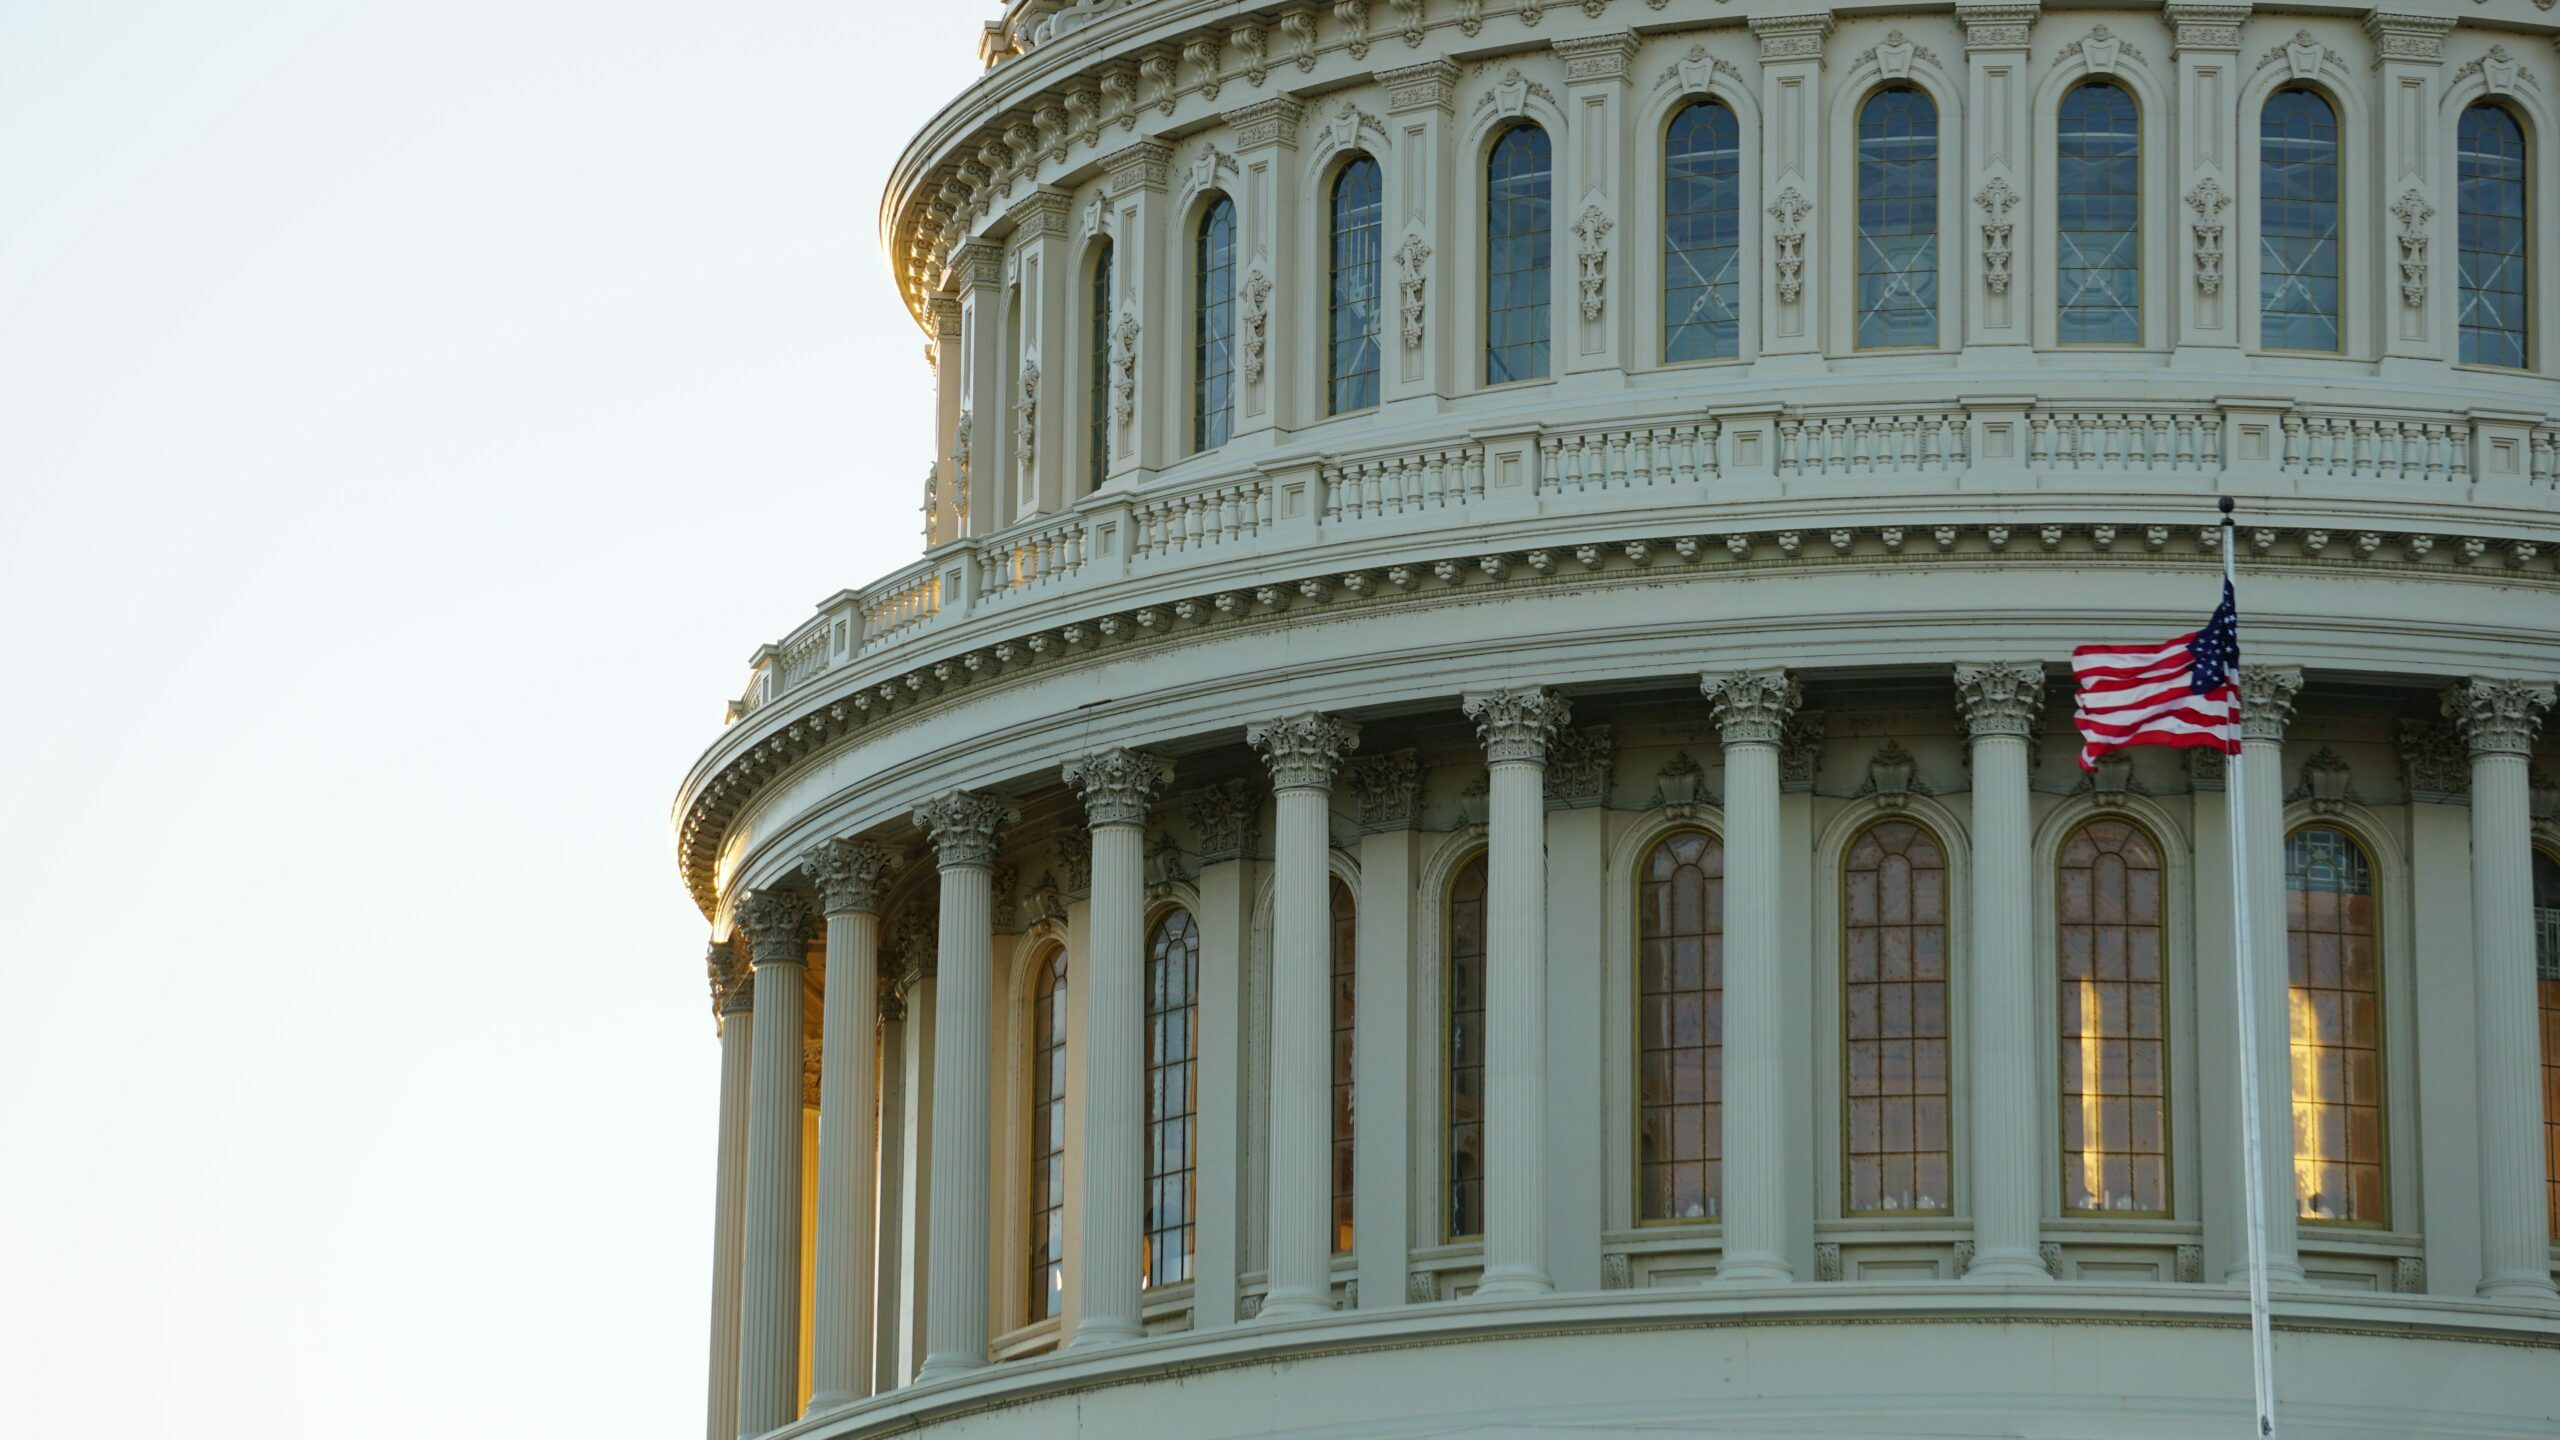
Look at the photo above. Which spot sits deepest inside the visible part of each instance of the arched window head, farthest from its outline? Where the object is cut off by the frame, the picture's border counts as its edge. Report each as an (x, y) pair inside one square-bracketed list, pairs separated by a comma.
[(2334, 1000), (1519, 236), (1680, 1029), (1358, 261), (1894, 985), (1097, 463), (2546, 971), (1462, 1205), (2298, 225), (1213, 328), (1173, 1097), (1702, 234), (2098, 216), (1897, 220), (1346, 959), (1047, 1290), (2110, 993), (2495, 296)]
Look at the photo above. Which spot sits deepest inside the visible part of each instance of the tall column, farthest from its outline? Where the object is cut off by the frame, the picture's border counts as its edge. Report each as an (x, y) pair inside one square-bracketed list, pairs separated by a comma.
[(2000, 703), (1304, 751), (1516, 727), (733, 1000), (851, 875), (963, 827), (777, 926), (915, 1167), (1751, 708), (2266, 705), (887, 1290), (2498, 719), (1118, 785)]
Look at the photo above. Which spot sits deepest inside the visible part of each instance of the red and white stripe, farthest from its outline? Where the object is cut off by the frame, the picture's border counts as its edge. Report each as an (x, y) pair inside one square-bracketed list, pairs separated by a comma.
[(2145, 695)]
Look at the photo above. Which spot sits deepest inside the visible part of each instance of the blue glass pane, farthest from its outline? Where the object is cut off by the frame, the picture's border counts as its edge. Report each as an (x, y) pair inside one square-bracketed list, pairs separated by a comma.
[(1213, 359), (1897, 220), (1352, 361), (2098, 225), (1097, 464), (1702, 235), (2298, 223), (1518, 236), (2492, 300)]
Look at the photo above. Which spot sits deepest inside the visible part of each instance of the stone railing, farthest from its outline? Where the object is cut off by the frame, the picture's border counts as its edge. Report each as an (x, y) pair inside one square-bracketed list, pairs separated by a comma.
[(1517, 479)]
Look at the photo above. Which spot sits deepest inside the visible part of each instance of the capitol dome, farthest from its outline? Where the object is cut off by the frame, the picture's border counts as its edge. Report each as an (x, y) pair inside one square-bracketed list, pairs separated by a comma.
[(1469, 823)]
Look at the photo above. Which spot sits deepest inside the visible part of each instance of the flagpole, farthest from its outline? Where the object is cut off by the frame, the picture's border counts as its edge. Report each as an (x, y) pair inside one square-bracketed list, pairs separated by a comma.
[(2253, 1165)]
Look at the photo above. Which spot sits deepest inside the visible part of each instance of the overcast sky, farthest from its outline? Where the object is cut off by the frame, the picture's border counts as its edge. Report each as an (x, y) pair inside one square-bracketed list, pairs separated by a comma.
[(411, 417)]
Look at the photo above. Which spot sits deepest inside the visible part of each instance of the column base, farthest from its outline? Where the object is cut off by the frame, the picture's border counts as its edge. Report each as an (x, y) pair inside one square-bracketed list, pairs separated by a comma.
[(1098, 1334), (1514, 1282), (1295, 1302), (832, 1400), (2278, 1273), (946, 1367), (1754, 1270), (2526, 1287), (2008, 1267)]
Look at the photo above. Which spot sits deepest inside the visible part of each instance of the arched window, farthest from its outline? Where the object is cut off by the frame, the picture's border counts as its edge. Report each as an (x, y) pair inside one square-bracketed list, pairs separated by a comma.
[(1346, 959), (1897, 220), (1702, 234), (1462, 1215), (1359, 207), (1173, 1095), (1048, 1289), (2111, 991), (1097, 463), (2298, 222), (2546, 970), (1894, 985), (1517, 241), (2098, 216), (2334, 964), (1213, 328), (1680, 1029), (2494, 293)]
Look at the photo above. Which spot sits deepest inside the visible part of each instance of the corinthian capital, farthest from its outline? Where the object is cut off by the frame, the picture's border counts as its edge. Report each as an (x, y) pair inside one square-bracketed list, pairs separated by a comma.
[(1118, 784), (778, 926), (733, 985), (1516, 725), (2266, 699), (1752, 706), (2498, 717), (963, 825), (1303, 750), (2000, 699), (851, 874)]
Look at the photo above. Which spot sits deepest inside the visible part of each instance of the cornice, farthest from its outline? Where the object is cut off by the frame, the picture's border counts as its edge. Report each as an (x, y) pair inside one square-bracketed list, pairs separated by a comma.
[(887, 690)]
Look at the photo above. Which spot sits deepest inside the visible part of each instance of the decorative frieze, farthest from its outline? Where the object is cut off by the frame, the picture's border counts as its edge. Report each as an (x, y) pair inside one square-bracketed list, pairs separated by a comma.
[(1787, 248), (1592, 230), (1680, 788), (1413, 259), (1305, 750), (1597, 57), (2205, 27), (1118, 784), (1223, 816), (1996, 200), (2498, 717), (2098, 52), (1147, 165), (2413, 212), (1893, 777), (1267, 123), (963, 826), (1432, 85), (2434, 763), (1509, 96), (2398, 35), (1578, 767), (1255, 293), (852, 875), (1751, 707), (2208, 200), (2327, 785), (1800, 751), (1792, 37), (1517, 726), (1996, 27)]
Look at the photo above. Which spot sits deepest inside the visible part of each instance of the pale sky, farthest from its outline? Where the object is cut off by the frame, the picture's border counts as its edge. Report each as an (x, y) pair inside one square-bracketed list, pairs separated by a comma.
[(412, 415)]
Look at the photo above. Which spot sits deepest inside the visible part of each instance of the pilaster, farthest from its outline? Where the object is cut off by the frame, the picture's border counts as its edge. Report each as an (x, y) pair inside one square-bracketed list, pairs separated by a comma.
[(2204, 173), (1143, 409), (1388, 789), (1791, 293), (1999, 146), (985, 471), (1046, 357), (1592, 212), (1266, 136), (947, 499), (2416, 207), (2257, 786), (1416, 356)]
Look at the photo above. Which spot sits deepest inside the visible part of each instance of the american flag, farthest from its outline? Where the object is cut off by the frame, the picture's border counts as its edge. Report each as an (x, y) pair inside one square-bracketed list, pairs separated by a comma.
[(2184, 693)]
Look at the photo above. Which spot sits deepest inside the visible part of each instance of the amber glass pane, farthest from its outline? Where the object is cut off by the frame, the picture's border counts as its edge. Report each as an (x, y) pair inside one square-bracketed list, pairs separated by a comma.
[(1680, 1029), (2332, 954), (1048, 1136), (1895, 987), (2546, 970), (1173, 1086), (1465, 1214), (1346, 941), (2114, 1042)]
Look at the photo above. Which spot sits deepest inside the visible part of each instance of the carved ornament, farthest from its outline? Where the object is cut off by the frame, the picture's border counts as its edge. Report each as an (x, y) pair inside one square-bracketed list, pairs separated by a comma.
[(1751, 706), (1118, 784), (1517, 726), (852, 875)]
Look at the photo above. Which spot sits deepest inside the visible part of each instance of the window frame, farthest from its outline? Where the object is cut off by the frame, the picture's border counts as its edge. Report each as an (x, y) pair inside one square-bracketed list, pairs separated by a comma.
[(2051, 205), (1746, 280), (1149, 1121), (1203, 210), (1444, 1216), (2172, 917), (1484, 245), (2384, 1012), (1343, 899), (2253, 204), (1651, 844), (1051, 957), (1329, 235), (1957, 1203), (2529, 261), (1100, 289), (1851, 264), (2546, 846)]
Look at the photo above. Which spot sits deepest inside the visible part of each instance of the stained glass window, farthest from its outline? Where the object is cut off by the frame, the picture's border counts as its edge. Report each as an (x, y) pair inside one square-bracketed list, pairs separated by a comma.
[(2334, 969), (1702, 235), (2114, 1046), (1680, 1029), (1173, 1089), (1518, 243), (1463, 1212), (2098, 216), (1352, 352), (2298, 222), (1897, 220), (1213, 331), (2546, 971), (1895, 986), (1346, 953), (2494, 294), (1048, 1288)]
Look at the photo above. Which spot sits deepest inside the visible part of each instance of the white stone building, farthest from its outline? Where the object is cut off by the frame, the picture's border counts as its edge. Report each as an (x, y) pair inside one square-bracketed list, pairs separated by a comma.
[(1469, 824)]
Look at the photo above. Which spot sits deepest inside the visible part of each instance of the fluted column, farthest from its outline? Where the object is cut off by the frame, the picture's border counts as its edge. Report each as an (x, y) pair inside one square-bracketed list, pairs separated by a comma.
[(1118, 785), (2498, 719), (2000, 703), (851, 875), (963, 827), (1304, 751), (733, 1000), (1516, 727), (777, 926), (1751, 708), (2266, 706)]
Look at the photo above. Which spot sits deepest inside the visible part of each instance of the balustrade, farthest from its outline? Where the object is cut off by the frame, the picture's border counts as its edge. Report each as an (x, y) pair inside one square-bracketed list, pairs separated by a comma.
[(1439, 479)]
